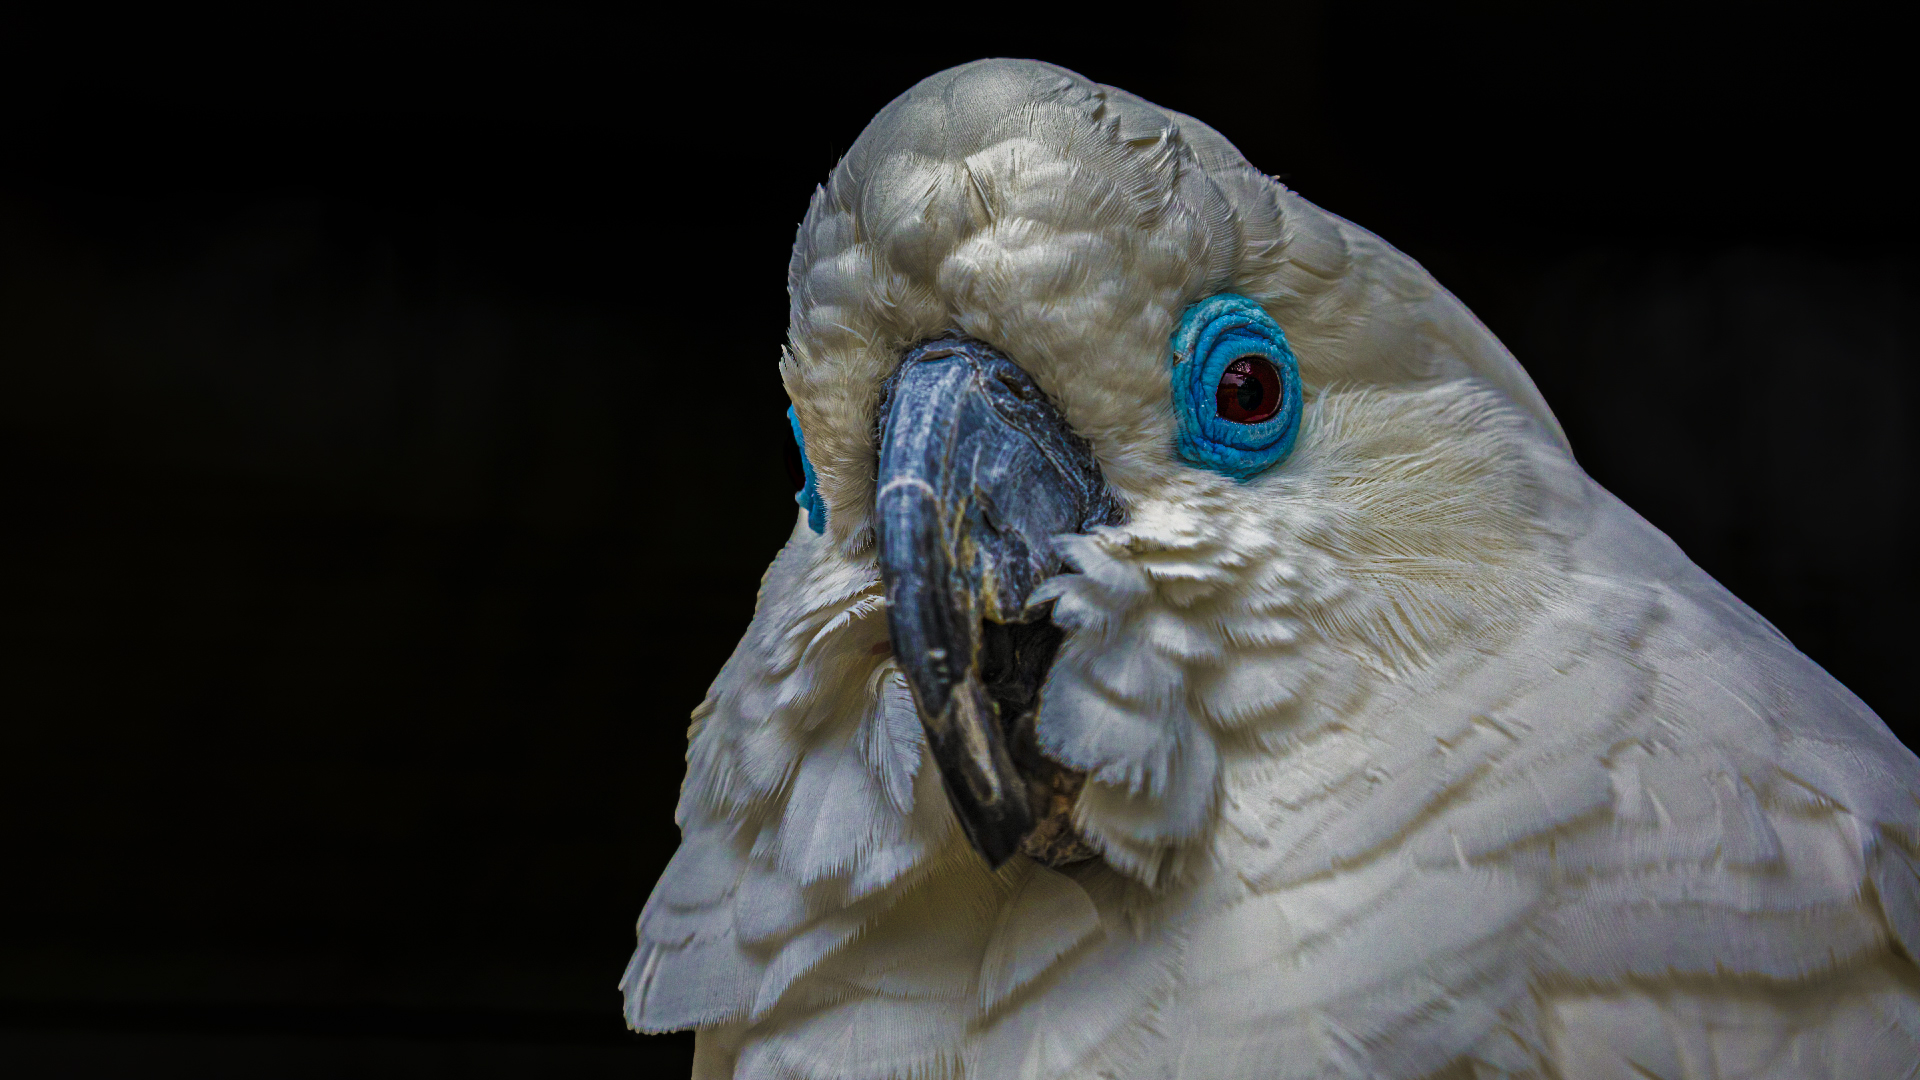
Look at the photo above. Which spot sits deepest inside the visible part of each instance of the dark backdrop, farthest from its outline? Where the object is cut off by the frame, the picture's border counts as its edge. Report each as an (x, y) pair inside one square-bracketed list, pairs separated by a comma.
[(391, 439)]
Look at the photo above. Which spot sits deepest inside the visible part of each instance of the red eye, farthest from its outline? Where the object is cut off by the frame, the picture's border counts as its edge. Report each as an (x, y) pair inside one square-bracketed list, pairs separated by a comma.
[(1249, 391)]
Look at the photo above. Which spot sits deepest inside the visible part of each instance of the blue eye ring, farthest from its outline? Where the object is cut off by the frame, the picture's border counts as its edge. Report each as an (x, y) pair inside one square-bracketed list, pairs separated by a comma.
[(1212, 335), (809, 494)]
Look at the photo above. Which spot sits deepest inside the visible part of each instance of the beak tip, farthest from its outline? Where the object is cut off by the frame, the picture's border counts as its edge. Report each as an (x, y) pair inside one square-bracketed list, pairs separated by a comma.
[(998, 841), (986, 791)]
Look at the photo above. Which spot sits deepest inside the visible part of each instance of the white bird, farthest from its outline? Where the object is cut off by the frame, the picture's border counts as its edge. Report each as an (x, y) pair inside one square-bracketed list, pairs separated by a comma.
[(1201, 656)]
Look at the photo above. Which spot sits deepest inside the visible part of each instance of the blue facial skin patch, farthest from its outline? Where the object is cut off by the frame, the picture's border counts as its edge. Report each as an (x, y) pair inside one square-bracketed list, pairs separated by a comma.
[(1213, 334), (808, 497)]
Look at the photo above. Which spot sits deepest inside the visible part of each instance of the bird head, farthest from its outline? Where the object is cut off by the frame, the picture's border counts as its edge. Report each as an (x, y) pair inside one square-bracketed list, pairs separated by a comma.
[(1124, 462)]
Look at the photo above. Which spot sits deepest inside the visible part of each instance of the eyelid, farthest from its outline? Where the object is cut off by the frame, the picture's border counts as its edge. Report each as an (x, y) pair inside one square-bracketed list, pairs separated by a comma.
[(1212, 334), (809, 494)]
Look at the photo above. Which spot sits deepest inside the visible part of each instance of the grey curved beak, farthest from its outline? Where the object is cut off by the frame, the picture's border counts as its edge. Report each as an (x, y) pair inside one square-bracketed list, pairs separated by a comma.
[(978, 473)]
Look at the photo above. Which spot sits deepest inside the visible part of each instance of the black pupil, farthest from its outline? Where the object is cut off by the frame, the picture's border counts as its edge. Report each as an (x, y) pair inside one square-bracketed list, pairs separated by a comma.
[(1249, 391), (1249, 394)]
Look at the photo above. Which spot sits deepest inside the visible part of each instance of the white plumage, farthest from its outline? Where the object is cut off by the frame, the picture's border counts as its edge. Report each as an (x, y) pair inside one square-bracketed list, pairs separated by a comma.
[(1419, 755)]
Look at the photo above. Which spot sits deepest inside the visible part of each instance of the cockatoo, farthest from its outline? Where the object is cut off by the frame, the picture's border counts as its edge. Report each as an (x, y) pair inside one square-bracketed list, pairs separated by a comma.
[(1199, 655)]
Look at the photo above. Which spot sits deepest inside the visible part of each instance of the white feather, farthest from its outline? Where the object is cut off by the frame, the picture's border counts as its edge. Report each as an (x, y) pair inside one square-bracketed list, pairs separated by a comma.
[(1048, 916)]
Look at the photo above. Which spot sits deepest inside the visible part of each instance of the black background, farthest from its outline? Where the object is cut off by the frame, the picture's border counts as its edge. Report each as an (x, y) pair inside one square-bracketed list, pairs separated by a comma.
[(391, 438)]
